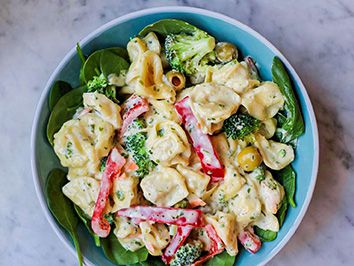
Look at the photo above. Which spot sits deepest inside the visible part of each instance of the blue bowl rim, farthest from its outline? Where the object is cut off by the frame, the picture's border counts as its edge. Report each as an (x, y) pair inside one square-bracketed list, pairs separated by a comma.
[(176, 9)]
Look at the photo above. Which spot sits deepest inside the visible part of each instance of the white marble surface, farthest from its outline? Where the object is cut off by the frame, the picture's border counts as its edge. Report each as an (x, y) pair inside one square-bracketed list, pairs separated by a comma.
[(316, 36)]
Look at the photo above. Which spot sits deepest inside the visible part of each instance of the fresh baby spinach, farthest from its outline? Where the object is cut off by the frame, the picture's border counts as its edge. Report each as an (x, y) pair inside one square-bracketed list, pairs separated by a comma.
[(61, 207), (222, 259), (265, 235), (106, 61), (119, 255), (282, 211), (290, 121), (169, 26), (57, 91), (87, 222), (287, 178), (64, 111)]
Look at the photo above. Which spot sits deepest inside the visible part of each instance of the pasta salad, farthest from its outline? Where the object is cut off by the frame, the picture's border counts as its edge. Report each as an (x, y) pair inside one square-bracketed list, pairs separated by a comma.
[(176, 151)]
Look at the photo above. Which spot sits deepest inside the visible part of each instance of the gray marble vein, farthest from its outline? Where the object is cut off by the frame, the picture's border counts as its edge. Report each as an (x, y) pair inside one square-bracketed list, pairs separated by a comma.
[(316, 36)]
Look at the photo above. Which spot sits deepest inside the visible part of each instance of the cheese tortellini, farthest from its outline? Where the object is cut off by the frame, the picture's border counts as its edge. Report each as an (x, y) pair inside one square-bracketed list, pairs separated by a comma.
[(168, 144), (275, 155), (246, 205), (234, 75), (125, 192), (264, 101), (226, 227), (155, 237), (104, 107), (83, 191), (82, 142), (212, 104), (196, 181), (128, 234), (164, 187), (146, 77)]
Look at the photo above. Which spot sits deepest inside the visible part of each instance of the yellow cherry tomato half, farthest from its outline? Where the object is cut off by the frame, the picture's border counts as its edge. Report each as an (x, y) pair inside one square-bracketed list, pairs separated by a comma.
[(249, 158)]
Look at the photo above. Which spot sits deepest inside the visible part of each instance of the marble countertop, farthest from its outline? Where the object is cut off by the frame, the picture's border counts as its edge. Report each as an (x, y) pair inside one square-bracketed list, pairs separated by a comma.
[(316, 36)]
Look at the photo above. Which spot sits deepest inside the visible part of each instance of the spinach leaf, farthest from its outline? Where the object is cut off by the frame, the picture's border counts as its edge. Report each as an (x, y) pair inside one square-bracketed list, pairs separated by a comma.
[(291, 122), (63, 111), (110, 63), (91, 66), (168, 26), (87, 222), (282, 211), (106, 61), (265, 235), (151, 261), (83, 59), (222, 259), (119, 255), (56, 92), (61, 207), (287, 179), (122, 52)]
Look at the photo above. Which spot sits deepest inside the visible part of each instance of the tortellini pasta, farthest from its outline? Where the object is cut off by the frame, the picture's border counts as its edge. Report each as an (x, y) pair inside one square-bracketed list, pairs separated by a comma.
[(267, 221), (155, 237), (104, 107), (268, 128), (271, 193), (264, 101), (168, 143), (231, 185), (196, 181), (234, 75), (226, 228), (275, 155), (125, 192), (150, 79), (83, 191), (212, 104), (161, 110), (152, 42), (164, 187), (128, 234), (82, 142), (245, 205), (136, 48)]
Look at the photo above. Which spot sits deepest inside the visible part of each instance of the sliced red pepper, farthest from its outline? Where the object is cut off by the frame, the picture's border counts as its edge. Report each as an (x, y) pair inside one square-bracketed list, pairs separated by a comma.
[(114, 164), (216, 245), (201, 142), (131, 109), (177, 241), (180, 217), (249, 240)]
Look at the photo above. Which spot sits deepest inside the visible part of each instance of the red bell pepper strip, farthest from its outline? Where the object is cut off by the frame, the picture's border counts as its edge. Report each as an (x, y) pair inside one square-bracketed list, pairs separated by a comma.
[(131, 109), (181, 217), (216, 245), (249, 240), (201, 142), (114, 164), (177, 241)]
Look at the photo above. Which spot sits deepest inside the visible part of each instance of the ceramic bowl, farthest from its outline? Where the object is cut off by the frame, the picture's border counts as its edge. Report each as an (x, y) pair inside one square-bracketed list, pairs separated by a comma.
[(249, 42)]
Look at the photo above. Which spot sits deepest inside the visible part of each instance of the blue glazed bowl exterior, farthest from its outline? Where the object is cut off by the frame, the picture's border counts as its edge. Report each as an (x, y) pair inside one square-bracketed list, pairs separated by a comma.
[(117, 33)]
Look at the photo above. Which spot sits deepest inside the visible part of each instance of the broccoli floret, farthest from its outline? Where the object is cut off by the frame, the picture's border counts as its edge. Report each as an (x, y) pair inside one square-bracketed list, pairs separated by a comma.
[(100, 84), (138, 123), (184, 52), (135, 145), (187, 254), (238, 126)]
